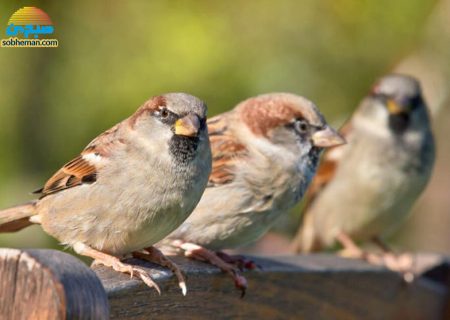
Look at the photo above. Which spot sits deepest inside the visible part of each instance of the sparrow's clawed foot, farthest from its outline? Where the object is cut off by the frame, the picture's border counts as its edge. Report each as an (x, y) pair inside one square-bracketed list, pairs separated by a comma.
[(402, 263), (239, 261), (115, 263), (154, 255), (194, 251), (353, 251)]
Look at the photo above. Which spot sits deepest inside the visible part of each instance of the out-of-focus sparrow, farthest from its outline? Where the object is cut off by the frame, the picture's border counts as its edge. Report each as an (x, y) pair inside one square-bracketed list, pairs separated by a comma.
[(365, 189), (129, 188), (265, 153)]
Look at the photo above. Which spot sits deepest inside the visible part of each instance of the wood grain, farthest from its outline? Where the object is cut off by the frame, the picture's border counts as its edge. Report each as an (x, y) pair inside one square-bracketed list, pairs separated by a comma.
[(48, 284), (303, 287)]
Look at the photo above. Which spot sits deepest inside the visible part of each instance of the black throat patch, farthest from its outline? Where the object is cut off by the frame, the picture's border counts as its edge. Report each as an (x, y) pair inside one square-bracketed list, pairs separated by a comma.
[(183, 148), (314, 155), (399, 123)]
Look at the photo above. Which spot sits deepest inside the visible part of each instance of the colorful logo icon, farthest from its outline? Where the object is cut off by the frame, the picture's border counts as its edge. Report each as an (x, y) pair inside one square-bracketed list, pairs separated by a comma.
[(32, 25)]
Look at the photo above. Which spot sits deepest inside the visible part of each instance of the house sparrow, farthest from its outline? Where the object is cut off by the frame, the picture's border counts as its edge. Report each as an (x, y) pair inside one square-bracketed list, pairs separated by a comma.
[(365, 189), (129, 188), (265, 152)]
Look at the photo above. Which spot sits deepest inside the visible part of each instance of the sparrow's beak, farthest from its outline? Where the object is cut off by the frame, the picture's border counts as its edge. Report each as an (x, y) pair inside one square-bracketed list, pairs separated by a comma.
[(327, 137), (395, 108), (187, 126)]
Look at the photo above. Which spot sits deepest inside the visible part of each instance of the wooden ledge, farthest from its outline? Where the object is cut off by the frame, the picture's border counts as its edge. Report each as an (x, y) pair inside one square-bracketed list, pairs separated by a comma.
[(294, 287), (48, 284)]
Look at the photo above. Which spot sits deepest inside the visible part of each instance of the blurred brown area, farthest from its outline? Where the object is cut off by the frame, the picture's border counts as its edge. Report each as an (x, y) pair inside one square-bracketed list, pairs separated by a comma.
[(113, 55)]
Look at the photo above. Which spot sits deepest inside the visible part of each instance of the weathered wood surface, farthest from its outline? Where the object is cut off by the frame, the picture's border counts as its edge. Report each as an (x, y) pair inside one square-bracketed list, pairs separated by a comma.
[(48, 284), (305, 287)]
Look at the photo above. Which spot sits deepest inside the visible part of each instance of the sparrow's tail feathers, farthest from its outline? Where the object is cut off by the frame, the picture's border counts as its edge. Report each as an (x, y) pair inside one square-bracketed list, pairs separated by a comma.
[(16, 218), (306, 240)]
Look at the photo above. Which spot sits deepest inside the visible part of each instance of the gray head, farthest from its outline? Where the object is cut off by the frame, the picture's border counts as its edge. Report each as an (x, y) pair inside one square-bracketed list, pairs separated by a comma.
[(183, 104), (396, 103), (178, 118), (403, 89)]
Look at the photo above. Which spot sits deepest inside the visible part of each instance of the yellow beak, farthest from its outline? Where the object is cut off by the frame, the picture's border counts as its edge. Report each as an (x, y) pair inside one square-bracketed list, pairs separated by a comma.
[(393, 107), (327, 137), (187, 126)]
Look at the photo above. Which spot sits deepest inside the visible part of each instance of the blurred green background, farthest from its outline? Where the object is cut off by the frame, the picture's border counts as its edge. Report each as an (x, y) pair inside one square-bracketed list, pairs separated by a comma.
[(113, 55)]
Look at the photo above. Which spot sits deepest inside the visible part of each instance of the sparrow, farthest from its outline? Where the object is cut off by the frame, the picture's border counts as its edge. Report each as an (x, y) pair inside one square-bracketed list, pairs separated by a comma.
[(365, 189), (265, 152), (129, 188)]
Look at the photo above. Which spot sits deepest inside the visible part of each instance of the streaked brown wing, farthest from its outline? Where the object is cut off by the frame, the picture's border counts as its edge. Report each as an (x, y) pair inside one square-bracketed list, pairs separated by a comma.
[(79, 170), (227, 151), (73, 174)]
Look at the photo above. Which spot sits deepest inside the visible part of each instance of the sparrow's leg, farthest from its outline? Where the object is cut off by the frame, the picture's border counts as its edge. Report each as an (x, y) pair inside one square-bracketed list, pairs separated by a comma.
[(239, 261), (352, 250), (402, 263), (154, 255), (194, 251), (115, 263)]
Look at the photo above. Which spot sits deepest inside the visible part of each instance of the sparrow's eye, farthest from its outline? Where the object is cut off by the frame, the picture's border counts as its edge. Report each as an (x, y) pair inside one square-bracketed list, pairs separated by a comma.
[(301, 126), (164, 113)]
